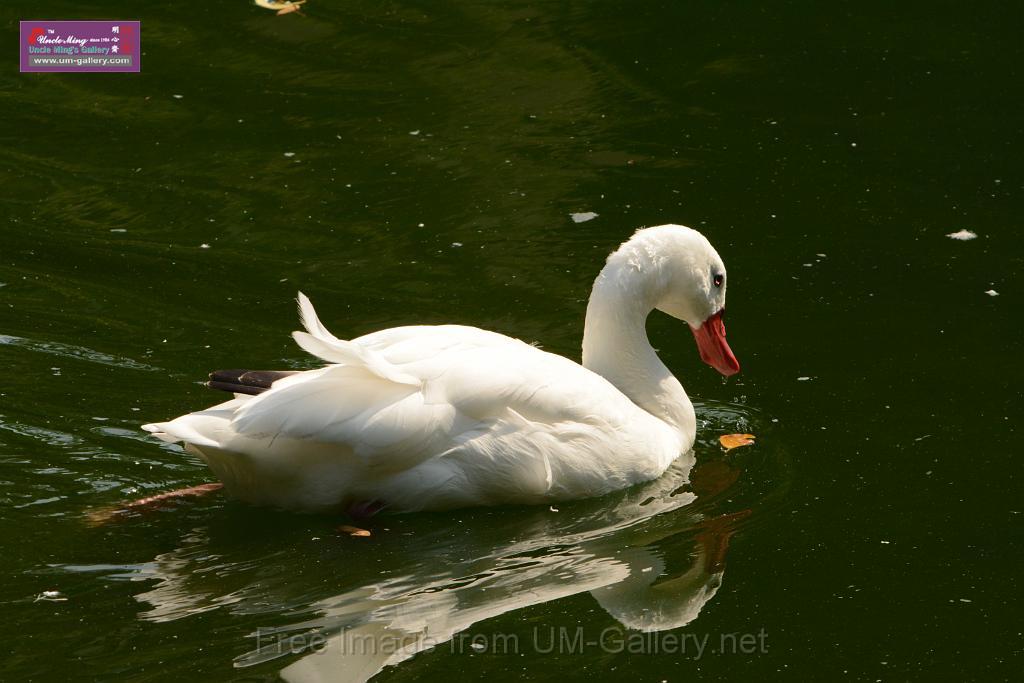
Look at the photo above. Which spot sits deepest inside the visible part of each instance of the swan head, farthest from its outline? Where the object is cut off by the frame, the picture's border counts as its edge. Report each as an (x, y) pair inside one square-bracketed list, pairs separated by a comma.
[(684, 277)]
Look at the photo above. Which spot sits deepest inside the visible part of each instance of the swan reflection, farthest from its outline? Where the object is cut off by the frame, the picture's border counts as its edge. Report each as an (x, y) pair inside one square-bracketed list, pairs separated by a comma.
[(652, 557)]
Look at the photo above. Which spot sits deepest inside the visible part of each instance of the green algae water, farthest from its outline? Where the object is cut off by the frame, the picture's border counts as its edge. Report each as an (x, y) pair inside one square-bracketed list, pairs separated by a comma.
[(474, 163)]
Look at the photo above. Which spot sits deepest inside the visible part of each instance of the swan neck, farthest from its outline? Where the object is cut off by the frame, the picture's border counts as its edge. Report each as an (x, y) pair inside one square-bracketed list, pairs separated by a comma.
[(615, 346)]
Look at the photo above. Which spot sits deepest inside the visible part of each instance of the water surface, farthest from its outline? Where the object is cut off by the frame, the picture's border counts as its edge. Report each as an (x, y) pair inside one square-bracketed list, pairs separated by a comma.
[(411, 162)]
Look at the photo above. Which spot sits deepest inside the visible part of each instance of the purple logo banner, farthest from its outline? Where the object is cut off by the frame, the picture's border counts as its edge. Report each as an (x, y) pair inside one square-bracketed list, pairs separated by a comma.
[(81, 46)]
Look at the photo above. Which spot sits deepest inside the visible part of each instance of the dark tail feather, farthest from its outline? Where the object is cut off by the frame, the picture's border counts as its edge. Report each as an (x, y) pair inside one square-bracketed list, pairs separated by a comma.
[(246, 381)]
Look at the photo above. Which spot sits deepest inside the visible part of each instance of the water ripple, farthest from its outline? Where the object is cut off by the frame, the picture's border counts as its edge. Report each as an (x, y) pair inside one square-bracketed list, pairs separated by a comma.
[(76, 352)]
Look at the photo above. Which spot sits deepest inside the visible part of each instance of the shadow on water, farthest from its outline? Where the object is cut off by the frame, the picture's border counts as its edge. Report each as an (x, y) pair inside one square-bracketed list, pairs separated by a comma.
[(652, 557)]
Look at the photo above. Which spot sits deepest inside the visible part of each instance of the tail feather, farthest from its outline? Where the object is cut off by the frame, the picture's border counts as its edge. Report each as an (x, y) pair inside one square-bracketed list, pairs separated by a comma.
[(322, 344), (311, 321), (201, 428)]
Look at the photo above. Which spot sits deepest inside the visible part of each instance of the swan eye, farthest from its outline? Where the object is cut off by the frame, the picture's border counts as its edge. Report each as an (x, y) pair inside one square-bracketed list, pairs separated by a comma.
[(719, 279)]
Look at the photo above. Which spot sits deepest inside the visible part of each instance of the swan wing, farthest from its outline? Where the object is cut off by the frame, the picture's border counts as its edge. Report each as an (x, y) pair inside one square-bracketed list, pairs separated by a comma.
[(387, 425), (398, 397)]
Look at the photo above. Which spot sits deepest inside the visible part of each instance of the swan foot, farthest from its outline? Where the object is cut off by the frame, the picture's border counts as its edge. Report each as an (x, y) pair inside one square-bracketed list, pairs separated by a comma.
[(112, 513), (364, 509)]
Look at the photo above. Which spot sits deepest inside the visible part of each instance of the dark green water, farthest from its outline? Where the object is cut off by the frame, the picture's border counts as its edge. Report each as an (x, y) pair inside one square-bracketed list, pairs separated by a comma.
[(419, 162)]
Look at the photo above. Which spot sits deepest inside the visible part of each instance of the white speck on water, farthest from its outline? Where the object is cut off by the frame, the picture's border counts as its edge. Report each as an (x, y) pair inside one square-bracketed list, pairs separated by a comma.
[(420, 225), (101, 419), (553, 508), (54, 596), (885, 542), (808, 265), (583, 216), (962, 235), (991, 292), (964, 600), (414, 132), (289, 154), (479, 647), (204, 245), (802, 379), (853, 144), (456, 244), (646, 569), (820, 255), (177, 97), (118, 230)]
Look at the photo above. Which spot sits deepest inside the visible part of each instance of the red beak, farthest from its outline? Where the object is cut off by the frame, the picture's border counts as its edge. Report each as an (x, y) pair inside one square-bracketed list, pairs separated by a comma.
[(714, 350)]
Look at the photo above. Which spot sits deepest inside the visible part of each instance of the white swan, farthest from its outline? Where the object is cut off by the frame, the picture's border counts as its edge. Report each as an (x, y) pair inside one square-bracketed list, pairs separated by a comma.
[(439, 417)]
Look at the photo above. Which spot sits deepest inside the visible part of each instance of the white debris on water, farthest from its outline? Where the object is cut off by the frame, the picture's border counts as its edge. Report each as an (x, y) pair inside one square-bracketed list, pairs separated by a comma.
[(53, 596), (802, 379), (962, 235), (177, 97), (583, 216), (414, 132), (118, 230), (456, 244), (991, 292), (204, 245), (289, 154)]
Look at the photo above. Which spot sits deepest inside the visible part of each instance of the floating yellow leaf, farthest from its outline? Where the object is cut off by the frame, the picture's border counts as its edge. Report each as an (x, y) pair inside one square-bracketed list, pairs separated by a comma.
[(731, 441), (353, 531)]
